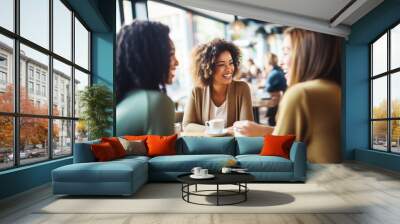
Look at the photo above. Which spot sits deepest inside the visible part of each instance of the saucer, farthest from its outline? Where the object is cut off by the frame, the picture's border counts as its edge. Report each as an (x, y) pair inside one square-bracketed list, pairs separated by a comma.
[(208, 176), (216, 134)]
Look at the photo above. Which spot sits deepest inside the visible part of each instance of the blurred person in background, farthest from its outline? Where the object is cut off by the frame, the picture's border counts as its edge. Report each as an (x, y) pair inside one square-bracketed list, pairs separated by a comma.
[(146, 62), (310, 109), (216, 95), (275, 85)]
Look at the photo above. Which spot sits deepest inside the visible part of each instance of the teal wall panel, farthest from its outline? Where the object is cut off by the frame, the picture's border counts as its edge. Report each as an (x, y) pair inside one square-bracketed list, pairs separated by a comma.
[(102, 58), (356, 100), (89, 11), (377, 158), (24, 178), (103, 64), (103, 48)]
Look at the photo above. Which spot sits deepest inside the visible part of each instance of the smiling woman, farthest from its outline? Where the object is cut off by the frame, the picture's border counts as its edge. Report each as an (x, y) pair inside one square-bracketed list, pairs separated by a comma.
[(217, 95)]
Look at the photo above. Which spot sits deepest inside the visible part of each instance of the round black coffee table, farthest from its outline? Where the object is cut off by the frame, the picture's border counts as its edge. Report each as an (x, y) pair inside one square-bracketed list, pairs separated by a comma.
[(238, 179)]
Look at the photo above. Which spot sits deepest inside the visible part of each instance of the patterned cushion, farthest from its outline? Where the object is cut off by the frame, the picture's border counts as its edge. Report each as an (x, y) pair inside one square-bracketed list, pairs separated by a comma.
[(134, 147)]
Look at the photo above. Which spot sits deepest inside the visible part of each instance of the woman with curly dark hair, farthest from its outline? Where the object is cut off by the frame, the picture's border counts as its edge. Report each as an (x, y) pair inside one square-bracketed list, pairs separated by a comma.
[(146, 62), (217, 95)]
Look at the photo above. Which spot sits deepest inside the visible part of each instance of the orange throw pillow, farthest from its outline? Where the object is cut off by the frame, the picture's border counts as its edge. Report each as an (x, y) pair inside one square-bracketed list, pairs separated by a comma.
[(135, 137), (161, 145), (103, 152), (116, 145), (277, 145)]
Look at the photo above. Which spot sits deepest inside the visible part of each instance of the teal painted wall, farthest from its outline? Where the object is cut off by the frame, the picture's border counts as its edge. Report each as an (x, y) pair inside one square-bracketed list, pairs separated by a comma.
[(27, 177), (100, 17), (102, 58), (90, 12), (379, 159), (356, 84)]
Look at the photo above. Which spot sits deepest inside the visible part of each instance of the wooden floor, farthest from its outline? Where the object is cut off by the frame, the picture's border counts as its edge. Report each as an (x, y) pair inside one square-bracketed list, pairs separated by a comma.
[(377, 188)]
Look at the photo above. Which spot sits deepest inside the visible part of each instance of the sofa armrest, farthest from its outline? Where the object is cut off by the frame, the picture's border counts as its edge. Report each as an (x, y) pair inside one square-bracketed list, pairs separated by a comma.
[(298, 155), (83, 152)]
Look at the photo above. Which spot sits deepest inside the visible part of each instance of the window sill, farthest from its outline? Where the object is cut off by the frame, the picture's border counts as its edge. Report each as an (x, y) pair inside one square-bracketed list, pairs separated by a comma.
[(26, 167), (382, 159)]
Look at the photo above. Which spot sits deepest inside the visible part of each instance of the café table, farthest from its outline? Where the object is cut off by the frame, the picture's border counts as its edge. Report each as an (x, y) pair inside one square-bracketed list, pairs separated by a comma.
[(257, 104)]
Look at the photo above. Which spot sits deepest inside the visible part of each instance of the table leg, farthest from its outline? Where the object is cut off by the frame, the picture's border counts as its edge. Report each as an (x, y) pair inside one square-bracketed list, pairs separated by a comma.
[(256, 114), (196, 188), (188, 192), (182, 190), (245, 193), (217, 194)]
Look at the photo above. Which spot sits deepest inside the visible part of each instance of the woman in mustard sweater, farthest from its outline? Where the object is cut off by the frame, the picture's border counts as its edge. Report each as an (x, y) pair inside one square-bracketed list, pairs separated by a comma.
[(311, 107)]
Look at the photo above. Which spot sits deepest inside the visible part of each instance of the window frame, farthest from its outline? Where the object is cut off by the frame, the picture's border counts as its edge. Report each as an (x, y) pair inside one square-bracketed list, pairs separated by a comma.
[(16, 115), (388, 74)]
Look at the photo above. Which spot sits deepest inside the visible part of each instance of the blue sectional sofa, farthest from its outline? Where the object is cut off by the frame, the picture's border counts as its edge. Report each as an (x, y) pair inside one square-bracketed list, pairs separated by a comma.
[(125, 176)]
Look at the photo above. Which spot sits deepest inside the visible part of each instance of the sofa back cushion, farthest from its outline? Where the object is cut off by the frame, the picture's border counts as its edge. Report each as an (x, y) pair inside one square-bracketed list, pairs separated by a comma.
[(161, 145), (249, 145), (116, 145), (193, 145), (134, 147), (83, 152), (104, 152), (277, 145), (135, 137)]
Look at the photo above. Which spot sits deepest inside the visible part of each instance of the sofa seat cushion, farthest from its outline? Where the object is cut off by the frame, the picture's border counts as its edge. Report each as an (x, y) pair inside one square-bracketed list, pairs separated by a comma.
[(257, 163), (185, 163), (133, 158), (112, 171)]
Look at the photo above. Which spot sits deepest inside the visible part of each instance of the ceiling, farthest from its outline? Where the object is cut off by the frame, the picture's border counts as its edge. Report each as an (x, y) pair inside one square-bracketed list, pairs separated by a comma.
[(327, 16), (318, 9)]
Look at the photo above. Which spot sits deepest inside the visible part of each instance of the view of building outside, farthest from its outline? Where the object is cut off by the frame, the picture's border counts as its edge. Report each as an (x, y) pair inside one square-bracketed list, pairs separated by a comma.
[(34, 99), (35, 120)]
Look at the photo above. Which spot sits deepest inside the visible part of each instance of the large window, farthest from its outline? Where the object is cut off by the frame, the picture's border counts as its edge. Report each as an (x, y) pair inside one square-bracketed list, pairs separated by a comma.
[(385, 91), (44, 64), (188, 28)]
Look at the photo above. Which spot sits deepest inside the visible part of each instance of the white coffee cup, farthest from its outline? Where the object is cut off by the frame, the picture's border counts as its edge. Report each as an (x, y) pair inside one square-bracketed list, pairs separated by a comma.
[(215, 126), (203, 172), (226, 170), (196, 170)]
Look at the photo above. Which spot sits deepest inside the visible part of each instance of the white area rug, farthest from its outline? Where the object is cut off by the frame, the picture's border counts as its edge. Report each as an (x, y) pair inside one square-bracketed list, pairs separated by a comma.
[(166, 198)]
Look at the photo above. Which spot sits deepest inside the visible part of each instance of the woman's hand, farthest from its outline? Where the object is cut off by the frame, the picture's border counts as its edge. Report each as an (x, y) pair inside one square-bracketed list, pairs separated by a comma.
[(229, 130), (251, 129)]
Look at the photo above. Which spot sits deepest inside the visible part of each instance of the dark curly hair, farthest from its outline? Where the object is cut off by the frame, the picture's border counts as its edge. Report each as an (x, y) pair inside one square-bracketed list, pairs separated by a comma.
[(142, 57), (204, 57)]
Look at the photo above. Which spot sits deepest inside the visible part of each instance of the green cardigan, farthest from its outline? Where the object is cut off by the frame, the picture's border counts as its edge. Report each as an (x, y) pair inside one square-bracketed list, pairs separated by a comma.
[(145, 112)]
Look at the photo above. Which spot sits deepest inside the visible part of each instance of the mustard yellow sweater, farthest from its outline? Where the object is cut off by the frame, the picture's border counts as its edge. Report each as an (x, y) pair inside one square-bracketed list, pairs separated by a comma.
[(311, 110)]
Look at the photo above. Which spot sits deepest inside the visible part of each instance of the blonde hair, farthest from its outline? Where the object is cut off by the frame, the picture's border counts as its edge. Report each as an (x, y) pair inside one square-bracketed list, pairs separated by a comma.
[(314, 56)]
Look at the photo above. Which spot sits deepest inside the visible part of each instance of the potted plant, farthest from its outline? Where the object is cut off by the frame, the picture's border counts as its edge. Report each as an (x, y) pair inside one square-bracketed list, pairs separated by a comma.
[(96, 103)]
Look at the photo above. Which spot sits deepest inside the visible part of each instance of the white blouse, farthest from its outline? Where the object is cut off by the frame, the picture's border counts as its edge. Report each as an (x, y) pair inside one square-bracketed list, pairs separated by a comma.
[(220, 112)]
